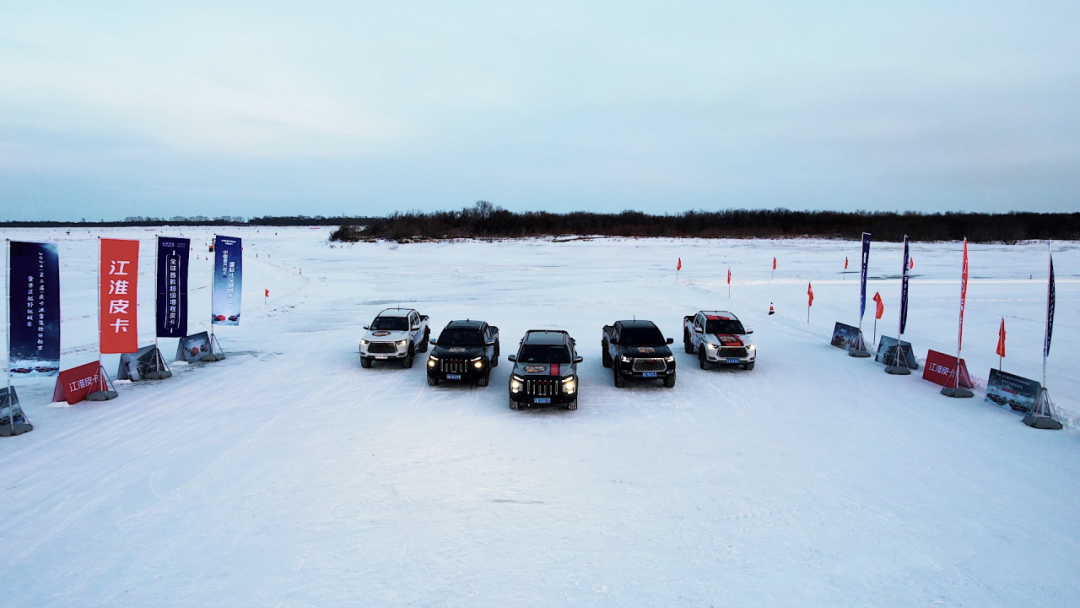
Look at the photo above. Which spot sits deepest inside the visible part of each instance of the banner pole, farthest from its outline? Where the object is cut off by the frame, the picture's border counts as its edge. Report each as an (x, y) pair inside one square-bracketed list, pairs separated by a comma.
[(7, 355), (157, 260), (1049, 266), (99, 303), (213, 288)]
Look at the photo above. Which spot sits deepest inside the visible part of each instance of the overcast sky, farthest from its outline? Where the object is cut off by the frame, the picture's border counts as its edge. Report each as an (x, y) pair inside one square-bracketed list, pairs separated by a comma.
[(112, 109)]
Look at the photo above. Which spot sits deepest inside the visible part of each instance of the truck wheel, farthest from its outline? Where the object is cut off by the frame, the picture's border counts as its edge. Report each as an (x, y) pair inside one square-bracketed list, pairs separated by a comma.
[(513, 404), (605, 358), (687, 346), (408, 361), (748, 366), (365, 362), (703, 360), (619, 380), (432, 381), (424, 342), (572, 405), (483, 381), (669, 381)]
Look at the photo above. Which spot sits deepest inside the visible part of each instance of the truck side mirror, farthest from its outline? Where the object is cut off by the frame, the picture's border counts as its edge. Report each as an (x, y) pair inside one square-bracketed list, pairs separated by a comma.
[(367, 327), (431, 341), (511, 358), (415, 327), (578, 359), (489, 344), (749, 331), (670, 340), (614, 341)]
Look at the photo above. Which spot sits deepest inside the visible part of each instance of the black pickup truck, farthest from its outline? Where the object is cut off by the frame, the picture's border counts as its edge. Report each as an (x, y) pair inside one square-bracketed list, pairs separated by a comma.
[(637, 350), (464, 352)]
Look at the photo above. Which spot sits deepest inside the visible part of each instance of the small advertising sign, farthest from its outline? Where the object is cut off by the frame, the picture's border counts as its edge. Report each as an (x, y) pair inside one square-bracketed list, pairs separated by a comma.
[(1014, 392), (843, 335), (119, 276), (138, 365), (941, 370), (192, 348), (76, 383), (12, 419), (886, 353)]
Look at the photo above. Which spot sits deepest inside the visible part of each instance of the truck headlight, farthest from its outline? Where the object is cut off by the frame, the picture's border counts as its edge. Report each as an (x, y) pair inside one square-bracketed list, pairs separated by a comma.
[(402, 342), (569, 385), (625, 359), (478, 362), (517, 384), (363, 341), (670, 358), (752, 347), (713, 347), (431, 361)]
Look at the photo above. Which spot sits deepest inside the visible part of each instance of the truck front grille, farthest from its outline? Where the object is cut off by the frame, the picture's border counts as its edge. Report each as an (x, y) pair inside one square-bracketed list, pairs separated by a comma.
[(649, 365), (452, 366), (541, 388), (382, 348), (733, 352)]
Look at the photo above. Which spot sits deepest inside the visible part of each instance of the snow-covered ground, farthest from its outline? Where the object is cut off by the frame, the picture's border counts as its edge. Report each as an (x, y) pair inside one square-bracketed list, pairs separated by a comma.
[(286, 475)]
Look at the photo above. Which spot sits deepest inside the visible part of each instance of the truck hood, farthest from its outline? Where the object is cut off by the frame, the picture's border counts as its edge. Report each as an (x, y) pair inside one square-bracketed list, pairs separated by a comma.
[(383, 335), (728, 339), (661, 350), (460, 352), (532, 370)]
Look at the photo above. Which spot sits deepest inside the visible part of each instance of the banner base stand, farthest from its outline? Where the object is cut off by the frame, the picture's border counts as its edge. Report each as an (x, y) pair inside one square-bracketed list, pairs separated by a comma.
[(898, 370), (158, 375), (1042, 413), (7, 430), (958, 393), (106, 393), (215, 354), (861, 354)]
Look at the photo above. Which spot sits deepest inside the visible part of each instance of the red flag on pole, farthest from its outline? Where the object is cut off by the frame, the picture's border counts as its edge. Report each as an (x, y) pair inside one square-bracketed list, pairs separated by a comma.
[(729, 276), (963, 299), (911, 263), (679, 265), (267, 293), (810, 294), (1001, 339), (845, 262), (774, 263), (880, 305)]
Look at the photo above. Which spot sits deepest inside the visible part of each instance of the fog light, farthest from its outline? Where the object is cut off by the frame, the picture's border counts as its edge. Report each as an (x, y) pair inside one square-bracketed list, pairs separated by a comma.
[(569, 386), (517, 384)]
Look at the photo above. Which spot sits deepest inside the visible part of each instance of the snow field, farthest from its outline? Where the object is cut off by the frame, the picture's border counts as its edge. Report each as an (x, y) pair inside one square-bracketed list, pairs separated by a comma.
[(286, 475)]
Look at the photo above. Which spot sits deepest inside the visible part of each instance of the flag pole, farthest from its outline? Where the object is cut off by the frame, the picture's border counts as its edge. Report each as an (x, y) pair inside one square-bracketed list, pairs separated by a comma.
[(1049, 267), (7, 355)]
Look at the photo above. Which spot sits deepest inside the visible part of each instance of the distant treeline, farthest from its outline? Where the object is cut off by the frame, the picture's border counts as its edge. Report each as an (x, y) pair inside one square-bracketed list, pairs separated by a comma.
[(196, 220), (485, 220)]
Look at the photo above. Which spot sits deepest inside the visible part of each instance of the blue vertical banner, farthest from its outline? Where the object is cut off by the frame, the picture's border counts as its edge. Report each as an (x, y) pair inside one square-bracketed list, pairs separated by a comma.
[(904, 289), (34, 309), (865, 263), (228, 277), (1051, 297), (172, 286)]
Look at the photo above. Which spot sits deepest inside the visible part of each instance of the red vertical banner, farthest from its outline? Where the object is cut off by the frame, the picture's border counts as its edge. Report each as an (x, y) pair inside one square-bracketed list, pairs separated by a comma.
[(963, 300), (118, 288), (1001, 339)]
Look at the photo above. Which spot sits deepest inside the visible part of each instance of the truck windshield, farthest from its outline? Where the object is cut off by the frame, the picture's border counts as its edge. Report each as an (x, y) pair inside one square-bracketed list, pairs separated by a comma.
[(641, 336), (724, 326), (544, 353), (461, 337), (391, 323)]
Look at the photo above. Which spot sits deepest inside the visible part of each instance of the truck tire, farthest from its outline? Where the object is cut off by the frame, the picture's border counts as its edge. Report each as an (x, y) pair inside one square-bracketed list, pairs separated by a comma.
[(495, 361), (688, 347), (703, 360), (432, 381), (605, 358), (748, 366), (365, 362), (619, 380), (669, 381), (483, 380), (572, 405), (408, 360), (424, 342), (513, 404)]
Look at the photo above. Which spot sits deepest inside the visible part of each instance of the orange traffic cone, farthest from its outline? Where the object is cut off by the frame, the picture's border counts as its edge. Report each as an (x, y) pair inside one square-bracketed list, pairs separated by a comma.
[(772, 311)]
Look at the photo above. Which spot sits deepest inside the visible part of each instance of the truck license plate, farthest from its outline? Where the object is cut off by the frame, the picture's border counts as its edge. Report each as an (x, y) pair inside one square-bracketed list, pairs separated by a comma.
[(542, 400), (381, 357), (736, 360), (453, 376), (648, 374)]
